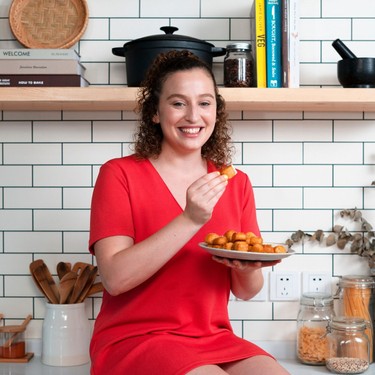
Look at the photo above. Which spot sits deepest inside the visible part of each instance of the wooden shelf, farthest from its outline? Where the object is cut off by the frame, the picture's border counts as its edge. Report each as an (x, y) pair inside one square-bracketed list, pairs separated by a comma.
[(110, 98)]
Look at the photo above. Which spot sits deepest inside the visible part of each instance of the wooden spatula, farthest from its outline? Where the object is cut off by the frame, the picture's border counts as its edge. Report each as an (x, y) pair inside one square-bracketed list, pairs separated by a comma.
[(50, 281), (79, 284), (42, 280), (66, 286), (78, 267), (95, 288), (90, 281), (33, 265), (62, 269)]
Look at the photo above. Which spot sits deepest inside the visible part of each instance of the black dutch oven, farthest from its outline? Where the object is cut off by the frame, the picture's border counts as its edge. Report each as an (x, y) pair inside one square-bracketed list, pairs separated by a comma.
[(140, 53)]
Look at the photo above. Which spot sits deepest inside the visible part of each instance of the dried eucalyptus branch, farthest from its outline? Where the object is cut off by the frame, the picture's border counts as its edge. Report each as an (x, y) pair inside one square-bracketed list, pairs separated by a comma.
[(361, 242)]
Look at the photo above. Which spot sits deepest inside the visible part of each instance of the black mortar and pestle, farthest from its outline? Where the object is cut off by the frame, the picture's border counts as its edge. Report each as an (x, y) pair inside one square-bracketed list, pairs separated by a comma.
[(353, 71)]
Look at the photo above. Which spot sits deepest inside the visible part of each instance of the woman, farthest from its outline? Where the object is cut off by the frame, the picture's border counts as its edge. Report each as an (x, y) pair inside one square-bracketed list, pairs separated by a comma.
[(164, 308)]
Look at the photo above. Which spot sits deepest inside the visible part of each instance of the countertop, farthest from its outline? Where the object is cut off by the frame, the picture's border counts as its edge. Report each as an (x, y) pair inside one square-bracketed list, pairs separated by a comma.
[(35, 367), (284, 351)]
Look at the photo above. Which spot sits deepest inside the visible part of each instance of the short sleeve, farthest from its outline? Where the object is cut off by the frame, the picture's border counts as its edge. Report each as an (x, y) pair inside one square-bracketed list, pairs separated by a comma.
[(110, 207)]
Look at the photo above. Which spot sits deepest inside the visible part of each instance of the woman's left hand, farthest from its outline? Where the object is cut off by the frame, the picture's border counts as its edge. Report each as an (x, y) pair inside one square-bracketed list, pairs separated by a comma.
[(244, 265)]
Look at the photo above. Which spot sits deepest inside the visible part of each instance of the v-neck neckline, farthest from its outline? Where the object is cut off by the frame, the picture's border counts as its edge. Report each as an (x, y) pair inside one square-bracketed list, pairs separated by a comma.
[(210, 168)]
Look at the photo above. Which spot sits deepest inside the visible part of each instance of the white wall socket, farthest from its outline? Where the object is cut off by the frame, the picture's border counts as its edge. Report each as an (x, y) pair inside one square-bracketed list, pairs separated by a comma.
[(285, 286), (317, 282)]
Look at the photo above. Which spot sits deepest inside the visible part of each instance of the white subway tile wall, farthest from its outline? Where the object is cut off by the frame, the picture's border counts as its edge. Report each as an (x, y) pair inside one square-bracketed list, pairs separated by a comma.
[(305, 166)]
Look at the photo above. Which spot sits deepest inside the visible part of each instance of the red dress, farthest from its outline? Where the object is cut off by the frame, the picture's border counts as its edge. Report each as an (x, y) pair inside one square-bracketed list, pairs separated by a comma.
[(178, 319)]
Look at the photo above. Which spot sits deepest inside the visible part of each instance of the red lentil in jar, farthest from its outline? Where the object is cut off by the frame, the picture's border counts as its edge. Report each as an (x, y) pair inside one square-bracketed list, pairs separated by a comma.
[(16, 350)]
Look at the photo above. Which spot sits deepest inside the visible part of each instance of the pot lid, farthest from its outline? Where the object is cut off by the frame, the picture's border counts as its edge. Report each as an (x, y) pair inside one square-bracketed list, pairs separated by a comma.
[(168, 36)]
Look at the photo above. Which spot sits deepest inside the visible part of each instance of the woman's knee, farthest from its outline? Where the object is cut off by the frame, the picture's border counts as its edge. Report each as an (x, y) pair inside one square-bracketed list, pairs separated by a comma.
[(207, 370), (257, 365)]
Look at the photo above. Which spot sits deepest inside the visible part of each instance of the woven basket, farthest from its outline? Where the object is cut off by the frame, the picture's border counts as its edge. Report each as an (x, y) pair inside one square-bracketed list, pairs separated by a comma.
[(48, 23)]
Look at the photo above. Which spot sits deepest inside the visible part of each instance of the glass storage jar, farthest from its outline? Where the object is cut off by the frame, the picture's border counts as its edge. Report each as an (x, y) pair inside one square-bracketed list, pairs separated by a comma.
[(348, 346), (239, 66), (316, 310), (12, 342), (357, 299)]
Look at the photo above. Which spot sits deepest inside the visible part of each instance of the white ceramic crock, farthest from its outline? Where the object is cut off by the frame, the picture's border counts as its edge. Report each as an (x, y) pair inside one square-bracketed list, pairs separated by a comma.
[(66, 335)]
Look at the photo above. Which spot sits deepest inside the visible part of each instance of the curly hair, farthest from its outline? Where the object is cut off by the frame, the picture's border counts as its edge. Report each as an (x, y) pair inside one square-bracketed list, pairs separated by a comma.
[(148, 137)]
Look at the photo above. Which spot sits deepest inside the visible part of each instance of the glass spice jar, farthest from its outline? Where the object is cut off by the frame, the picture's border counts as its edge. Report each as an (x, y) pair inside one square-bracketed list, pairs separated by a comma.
[(357, 299), (348, 346), (239, 66), (316, 310), (12, 342)]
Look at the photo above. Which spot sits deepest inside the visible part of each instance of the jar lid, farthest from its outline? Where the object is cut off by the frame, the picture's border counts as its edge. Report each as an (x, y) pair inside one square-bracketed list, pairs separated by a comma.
[(245, 46), (357, 281), (343, 323), (316, 299)]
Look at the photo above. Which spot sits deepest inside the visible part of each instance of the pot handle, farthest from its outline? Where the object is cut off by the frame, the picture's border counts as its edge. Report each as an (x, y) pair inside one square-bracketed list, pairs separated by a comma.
[(118, 51), (218, 51)]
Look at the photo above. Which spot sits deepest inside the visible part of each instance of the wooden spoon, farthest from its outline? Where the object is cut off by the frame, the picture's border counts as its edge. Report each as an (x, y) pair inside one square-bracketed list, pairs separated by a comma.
[(50, 281), (62, 269), (95, 288), (33, 265), (80, 284), (20, 328), (42, 280), (90, 281), (80, 266), (66, 286)]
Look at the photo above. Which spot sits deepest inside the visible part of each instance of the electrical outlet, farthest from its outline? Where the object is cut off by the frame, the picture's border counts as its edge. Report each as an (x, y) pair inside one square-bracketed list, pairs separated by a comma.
[(284, 286), (317, 282), (263, 293)]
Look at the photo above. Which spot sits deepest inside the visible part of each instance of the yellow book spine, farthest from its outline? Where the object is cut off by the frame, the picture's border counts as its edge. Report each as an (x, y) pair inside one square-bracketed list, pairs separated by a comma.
[(260, 46)]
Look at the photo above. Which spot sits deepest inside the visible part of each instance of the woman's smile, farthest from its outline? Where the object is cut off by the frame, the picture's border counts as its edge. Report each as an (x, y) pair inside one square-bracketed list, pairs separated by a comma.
[(190, 130)]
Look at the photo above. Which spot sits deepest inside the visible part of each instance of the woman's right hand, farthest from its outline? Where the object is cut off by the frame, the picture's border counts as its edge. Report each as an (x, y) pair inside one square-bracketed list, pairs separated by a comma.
[(202, 196)]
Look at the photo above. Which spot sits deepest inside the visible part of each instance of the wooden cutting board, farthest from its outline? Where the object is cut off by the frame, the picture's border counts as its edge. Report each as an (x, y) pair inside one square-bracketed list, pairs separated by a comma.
[(24, 359)]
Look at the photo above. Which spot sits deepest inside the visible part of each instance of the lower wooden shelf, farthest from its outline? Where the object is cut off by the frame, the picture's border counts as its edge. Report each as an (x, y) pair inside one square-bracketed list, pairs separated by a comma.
[(110, 98)]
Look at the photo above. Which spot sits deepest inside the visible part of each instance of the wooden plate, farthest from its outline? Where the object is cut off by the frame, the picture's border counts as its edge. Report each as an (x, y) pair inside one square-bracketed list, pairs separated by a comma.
[(48, 24)]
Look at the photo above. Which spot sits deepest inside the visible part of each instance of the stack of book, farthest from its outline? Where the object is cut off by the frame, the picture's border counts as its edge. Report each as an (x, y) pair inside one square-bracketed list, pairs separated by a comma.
[(277, 43), (41, 67)]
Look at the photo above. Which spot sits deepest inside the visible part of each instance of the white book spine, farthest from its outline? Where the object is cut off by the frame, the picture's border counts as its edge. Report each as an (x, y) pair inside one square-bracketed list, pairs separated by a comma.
[(43, 53), (41, 67), (293, 42)]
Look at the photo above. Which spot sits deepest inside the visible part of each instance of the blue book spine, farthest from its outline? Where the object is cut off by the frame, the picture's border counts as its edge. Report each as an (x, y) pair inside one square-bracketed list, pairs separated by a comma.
[(273, 43)]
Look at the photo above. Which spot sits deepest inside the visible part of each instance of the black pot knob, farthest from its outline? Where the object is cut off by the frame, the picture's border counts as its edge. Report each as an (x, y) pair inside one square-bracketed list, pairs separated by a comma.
[(169, 29)]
